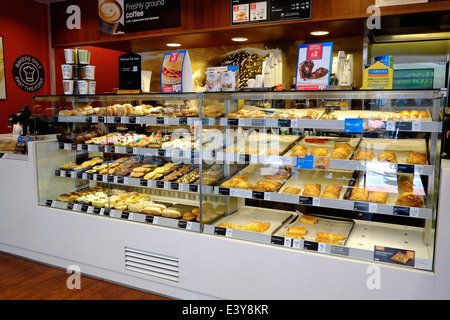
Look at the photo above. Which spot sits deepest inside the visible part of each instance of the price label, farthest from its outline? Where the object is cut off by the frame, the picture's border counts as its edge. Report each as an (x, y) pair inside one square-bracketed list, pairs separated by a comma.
[(354, 125), (185, 225), (310, 245), (151, 219)]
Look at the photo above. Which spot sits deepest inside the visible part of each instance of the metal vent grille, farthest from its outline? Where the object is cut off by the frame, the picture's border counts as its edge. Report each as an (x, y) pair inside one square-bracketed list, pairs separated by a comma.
[(152, 264)]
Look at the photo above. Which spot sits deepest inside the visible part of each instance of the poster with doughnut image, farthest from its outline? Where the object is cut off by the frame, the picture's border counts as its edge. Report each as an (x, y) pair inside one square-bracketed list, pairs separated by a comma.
[(313, 66)]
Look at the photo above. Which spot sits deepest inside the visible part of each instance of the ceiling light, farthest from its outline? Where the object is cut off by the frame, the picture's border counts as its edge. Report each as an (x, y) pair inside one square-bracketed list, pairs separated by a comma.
[(173, 44), (319, 33), (239, 39)]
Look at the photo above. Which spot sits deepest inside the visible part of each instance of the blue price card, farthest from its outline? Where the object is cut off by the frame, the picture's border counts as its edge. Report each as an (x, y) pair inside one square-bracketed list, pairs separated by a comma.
[(354, 125), (305, 163)]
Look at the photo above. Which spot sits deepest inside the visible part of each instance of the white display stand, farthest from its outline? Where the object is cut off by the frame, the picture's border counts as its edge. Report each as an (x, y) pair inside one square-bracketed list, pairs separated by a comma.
[(208, 267)]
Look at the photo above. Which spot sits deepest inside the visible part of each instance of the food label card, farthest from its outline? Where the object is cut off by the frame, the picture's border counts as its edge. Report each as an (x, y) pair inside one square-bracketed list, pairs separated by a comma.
[(393, 255), (313, 66), (176, 72)]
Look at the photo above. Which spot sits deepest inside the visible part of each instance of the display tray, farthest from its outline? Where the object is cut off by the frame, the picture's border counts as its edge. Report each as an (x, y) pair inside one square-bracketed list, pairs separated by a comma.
[(257, 144), (300, 178), (247, 215), (343, 178), (260, 178), (326, 144), (403, 115), (186, 180), (400, 148), (152, 120), (179, 223), (334, 226), (389, 188), (273, 113)]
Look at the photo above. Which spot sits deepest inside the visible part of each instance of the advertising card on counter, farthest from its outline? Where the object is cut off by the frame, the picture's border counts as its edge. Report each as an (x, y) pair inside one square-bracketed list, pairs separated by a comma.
[(313, 66), (176, 72), (378, 77)]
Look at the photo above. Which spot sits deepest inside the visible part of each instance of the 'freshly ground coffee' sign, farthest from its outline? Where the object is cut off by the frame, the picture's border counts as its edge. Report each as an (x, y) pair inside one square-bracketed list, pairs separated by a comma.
[(127, 16), (28, 73)]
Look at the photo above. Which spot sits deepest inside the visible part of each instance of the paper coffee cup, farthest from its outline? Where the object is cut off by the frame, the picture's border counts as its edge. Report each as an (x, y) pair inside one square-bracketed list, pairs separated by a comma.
[(71, 56), (84, 56), (258, 81), (88, 72), (92, 85), (68, 86), (110, 12), (82, 87), (67, 71), (251, 83)]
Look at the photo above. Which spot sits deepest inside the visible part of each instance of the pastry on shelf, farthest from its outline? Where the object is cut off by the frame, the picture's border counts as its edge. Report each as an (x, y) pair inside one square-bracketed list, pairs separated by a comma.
[(308, 220), (339, 154), (299, 151), (409, 199), (266, 186), (319, 152), (377, 197), (387, 156), (294, 236), (297, 230), (253, 226), (330, 236), (417, 158), (312, 190), (364, 155), (407, 186), (291, 190), (332, 191), (359, 194)]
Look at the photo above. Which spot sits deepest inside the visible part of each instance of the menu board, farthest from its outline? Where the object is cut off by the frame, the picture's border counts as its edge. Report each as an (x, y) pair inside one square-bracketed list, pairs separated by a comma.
[(127, 16), (248, 11)]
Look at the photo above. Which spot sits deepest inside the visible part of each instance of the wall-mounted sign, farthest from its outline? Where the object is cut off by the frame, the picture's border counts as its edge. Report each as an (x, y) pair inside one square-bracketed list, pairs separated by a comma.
[(130, 72), (126, 16), (250, 11), (28, 73)]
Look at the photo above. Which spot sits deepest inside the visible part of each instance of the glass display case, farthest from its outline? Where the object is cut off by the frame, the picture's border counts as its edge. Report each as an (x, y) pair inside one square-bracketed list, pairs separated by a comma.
[(349, 173)]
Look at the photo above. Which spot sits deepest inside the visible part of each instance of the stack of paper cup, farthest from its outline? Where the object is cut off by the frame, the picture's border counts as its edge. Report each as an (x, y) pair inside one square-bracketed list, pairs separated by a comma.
[(88, 73), (69, 71), (78, 74)]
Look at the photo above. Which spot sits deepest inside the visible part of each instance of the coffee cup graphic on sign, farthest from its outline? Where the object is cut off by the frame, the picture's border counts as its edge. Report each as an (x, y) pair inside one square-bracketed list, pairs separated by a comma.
[(110, 15)]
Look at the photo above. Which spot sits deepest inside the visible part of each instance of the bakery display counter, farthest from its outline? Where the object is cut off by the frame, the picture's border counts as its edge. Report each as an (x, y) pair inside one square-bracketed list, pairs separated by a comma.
[(360, 182)]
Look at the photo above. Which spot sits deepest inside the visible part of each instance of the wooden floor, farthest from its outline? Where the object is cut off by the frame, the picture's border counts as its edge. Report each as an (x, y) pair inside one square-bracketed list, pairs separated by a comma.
[(21, 279)]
